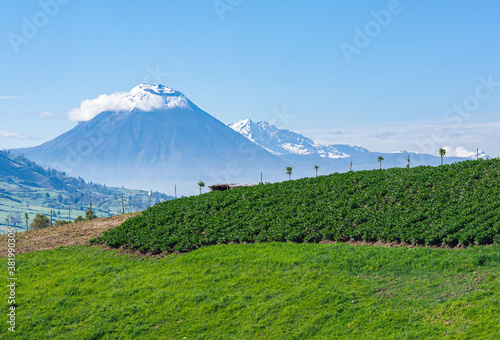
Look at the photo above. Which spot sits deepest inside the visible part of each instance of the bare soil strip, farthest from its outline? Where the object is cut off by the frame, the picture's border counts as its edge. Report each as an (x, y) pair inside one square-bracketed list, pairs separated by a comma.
[(67, 235)]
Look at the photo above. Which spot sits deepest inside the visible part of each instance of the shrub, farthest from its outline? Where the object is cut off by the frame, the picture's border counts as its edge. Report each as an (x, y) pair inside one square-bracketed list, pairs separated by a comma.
[(79, 219), (59, 223), (90, 215), (40, 221)]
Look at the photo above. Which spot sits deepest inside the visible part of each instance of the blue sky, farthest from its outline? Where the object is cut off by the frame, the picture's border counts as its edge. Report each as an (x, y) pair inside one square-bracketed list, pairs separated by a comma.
[(279, 61)]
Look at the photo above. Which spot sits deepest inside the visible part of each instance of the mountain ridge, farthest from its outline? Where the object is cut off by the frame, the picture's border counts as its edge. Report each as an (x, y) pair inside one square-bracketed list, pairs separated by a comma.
[(304, 153)]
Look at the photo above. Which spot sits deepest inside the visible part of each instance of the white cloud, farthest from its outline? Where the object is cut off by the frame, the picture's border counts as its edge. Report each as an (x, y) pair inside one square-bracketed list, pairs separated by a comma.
[(45, 114), (90, 108), (416, 137), (461, 152), (12, 134), (9, 97), (143, 97)]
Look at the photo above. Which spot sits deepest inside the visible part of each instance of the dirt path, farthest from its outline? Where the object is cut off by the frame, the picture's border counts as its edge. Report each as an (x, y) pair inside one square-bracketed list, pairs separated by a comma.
[(68, 235)]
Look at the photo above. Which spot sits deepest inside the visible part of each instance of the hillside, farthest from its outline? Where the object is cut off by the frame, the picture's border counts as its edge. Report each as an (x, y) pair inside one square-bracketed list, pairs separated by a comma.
[(277, 290), (62, 236), (457, 204), (26, 187)]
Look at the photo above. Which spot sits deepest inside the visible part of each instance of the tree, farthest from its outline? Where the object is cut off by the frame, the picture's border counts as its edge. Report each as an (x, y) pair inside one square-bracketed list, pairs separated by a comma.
[(90, 215), (316, 167), (289, 172), (201, 184), (442, 153), (40, 221), (27, 219), (79, 219), (380, 160)]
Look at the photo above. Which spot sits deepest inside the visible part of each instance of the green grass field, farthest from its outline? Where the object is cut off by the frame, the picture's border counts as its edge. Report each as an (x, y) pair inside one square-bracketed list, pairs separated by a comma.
[(262, 290)]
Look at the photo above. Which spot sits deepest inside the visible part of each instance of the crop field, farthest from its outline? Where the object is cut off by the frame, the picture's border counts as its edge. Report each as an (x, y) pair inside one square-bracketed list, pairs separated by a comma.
[(452, 205)]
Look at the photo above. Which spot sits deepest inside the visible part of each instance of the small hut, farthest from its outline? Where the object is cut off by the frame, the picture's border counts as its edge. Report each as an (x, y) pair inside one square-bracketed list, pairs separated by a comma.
[(219, 187), (224, 187)]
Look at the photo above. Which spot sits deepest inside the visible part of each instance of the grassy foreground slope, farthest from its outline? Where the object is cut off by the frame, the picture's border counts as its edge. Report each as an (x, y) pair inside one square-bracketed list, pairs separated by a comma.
[(452, 204), (253, 291)]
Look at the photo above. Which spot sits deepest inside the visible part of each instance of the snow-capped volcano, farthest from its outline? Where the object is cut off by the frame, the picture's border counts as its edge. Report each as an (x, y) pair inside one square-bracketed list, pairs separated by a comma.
[(153, 137), (281, 142), (143, 97)]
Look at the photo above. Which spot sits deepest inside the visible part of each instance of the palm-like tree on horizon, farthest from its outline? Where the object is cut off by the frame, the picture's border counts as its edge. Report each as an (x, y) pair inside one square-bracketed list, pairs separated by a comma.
[(316, 167), (289, 172), (442, 153), (380, 160), (201, 184), (26, 216)]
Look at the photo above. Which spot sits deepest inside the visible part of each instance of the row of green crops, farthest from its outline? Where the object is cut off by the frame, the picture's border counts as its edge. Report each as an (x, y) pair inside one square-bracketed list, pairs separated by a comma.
[(451, 204)]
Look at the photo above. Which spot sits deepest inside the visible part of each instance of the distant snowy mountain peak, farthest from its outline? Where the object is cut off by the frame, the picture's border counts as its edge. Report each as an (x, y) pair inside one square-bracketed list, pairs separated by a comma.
[(143, 97), (282, 142), (277, 141)]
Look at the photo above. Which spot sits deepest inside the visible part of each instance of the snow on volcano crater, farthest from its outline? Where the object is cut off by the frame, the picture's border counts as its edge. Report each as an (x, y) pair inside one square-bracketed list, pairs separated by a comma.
[(143, 97)]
